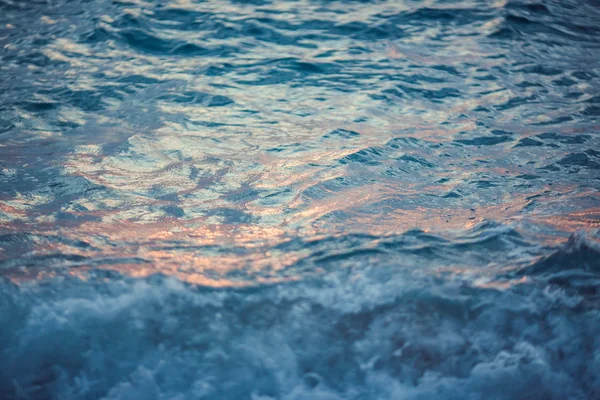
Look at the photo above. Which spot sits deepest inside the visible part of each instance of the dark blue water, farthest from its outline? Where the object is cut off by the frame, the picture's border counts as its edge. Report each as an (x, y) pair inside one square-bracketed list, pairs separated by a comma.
[(299, 199)]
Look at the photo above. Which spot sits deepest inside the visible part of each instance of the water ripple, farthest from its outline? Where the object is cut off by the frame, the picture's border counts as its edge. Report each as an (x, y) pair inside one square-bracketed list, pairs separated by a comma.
[(299, 199)]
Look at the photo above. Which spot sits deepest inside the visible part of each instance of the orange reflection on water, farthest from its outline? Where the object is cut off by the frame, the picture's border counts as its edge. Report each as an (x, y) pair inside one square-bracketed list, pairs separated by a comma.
[(510, 209), (214, 253)]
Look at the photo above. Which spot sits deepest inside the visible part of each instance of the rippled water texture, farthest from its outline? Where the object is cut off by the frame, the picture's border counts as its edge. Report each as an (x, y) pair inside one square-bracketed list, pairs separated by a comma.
[(299, 199)]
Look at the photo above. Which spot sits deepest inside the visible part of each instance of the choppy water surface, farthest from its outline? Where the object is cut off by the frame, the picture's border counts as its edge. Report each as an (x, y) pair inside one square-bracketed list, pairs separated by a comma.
[(299, 199)]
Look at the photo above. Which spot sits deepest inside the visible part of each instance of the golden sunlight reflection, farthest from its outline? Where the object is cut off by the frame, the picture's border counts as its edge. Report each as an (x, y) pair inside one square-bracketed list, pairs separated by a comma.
[(216, 254)]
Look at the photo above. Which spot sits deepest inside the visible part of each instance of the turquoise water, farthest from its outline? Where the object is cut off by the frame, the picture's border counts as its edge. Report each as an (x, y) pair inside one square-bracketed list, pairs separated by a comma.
[(299, 199)]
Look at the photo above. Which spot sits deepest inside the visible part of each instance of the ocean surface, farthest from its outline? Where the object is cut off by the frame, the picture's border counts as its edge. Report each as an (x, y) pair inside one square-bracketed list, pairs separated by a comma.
[(299, 200)]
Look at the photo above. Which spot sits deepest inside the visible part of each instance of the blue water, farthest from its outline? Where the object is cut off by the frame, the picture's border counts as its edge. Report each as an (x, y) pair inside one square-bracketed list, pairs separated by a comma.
[(294, 200)]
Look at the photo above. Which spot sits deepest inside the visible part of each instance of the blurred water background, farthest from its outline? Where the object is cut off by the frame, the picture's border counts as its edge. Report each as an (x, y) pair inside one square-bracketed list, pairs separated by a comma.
[(303, 199)]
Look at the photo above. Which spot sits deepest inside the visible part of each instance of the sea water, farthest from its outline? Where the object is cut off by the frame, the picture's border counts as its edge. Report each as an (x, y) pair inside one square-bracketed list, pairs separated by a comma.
[(303, 199)]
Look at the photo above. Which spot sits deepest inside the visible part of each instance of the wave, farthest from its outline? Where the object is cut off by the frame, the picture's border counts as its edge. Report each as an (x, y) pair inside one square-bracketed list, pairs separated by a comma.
[(574, 267), (370, 332), (433, 317)]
